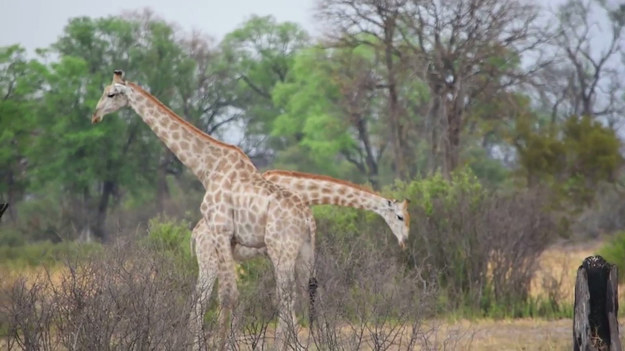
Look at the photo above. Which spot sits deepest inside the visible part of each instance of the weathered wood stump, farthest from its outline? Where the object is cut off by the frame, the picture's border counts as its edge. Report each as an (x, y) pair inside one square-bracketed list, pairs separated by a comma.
[(595, 324), (3, 207)]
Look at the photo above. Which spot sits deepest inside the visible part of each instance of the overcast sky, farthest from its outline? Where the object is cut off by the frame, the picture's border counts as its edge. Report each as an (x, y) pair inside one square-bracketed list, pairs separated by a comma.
[(38, 23)]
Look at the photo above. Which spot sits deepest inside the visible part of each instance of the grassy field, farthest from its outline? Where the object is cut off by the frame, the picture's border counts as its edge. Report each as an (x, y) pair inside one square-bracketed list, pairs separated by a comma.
[(558, 265)]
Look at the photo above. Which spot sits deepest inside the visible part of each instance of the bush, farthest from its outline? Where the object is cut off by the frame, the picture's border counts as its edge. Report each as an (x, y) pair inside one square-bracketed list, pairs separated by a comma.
[(171, 236), (614, 252), (133, 296), (44, 253), (125, 297), (479, 246), (11, 237), (482, 247)]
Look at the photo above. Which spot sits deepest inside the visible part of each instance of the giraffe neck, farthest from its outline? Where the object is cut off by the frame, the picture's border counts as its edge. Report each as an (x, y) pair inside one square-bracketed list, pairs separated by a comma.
[(198, 151), (322, 190)]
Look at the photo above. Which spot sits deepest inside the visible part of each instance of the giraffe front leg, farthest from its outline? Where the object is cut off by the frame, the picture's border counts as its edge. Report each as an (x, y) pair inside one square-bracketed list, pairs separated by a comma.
[(204, 248), (218, 216)]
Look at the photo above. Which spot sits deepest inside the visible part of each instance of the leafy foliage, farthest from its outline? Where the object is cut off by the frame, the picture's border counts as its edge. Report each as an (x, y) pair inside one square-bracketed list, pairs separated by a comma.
[(373, 101), (172, 238), (613, 251), (574, 161), (260, 53), (20, 81)]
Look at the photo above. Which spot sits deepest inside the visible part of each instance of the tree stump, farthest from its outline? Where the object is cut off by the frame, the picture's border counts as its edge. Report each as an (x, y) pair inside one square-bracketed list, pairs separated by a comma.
[(595, 324)]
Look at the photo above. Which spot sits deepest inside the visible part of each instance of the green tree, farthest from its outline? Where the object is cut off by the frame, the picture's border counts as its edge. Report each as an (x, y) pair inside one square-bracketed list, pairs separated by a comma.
[(260, 54), (96, 166), (376, 24), (330, 112), (20, 82), (573, 161)]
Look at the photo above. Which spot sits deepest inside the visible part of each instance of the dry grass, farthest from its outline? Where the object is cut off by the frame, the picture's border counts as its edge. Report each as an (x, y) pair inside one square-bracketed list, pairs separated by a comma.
[(558, 265), (519, 334)]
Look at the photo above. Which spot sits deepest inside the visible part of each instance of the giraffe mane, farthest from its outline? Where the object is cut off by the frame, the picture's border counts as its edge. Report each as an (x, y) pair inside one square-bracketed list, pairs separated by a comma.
[(191, 127), (297, 174)]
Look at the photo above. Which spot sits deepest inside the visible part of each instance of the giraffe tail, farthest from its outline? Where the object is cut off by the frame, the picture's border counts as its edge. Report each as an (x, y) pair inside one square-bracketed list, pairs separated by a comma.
[(312, 294), (312, 281)]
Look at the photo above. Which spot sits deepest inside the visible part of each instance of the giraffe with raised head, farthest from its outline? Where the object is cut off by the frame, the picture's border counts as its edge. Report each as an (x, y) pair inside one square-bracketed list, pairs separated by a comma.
[(239, 206)]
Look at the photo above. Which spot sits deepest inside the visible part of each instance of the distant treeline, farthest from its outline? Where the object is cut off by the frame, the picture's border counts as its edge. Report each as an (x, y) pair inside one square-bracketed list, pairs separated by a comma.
[(525, 98)]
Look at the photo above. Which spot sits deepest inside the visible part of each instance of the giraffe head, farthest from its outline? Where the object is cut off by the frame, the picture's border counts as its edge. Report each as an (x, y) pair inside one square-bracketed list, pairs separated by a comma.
[(113, 98), (396, 215)]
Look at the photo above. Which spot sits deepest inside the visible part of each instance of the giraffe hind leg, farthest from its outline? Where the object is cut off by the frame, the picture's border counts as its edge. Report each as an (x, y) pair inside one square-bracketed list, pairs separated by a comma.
[(307, 283)]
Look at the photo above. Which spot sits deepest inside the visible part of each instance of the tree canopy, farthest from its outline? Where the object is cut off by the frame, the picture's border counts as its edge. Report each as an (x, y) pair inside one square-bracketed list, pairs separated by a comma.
[(391, 91)]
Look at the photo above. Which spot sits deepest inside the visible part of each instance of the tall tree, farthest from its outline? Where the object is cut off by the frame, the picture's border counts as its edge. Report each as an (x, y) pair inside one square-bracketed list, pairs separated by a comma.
[(374, 23), (330, 107), (128, 159), (585, 79), (464, 47), (261, 53), (210, 94), (21, 81)]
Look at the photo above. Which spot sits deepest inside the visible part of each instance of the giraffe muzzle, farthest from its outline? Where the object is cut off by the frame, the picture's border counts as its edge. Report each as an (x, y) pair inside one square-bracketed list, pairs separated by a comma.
[(96, 118), (402, 244)]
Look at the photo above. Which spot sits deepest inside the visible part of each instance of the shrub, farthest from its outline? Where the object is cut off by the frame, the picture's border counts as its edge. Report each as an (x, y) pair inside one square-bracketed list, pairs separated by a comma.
[(172, 238), (26, 316), (44, 253), (125, 297), (480, 246), (614, 252), (133, 296)]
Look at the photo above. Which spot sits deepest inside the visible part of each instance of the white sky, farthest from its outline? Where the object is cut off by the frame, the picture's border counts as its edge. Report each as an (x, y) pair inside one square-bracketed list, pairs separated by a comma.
[(38, 23)]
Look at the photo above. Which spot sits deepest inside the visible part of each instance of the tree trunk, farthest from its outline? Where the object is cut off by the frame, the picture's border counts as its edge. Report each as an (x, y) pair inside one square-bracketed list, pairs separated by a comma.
[(452, 144), (98, 228), (12, 197), (162, 188), (372, 165), (393, 106), (454, 115), (3, 207)]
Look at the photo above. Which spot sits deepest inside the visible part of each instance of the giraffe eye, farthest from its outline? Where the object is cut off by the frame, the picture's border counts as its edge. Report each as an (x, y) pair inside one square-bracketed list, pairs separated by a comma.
[(112, 95), (401, 218)]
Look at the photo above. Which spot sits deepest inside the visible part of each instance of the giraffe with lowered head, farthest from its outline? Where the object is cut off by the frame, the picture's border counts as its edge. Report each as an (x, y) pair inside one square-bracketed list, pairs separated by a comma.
[(315, 189), (240, 206)]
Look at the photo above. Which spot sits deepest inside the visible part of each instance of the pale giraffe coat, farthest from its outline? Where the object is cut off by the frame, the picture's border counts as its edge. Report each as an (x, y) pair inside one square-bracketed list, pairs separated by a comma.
[(317, 189), (239, 205)]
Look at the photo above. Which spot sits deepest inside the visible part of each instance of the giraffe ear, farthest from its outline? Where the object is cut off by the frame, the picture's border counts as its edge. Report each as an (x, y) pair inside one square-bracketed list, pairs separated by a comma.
[(118, 76)]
